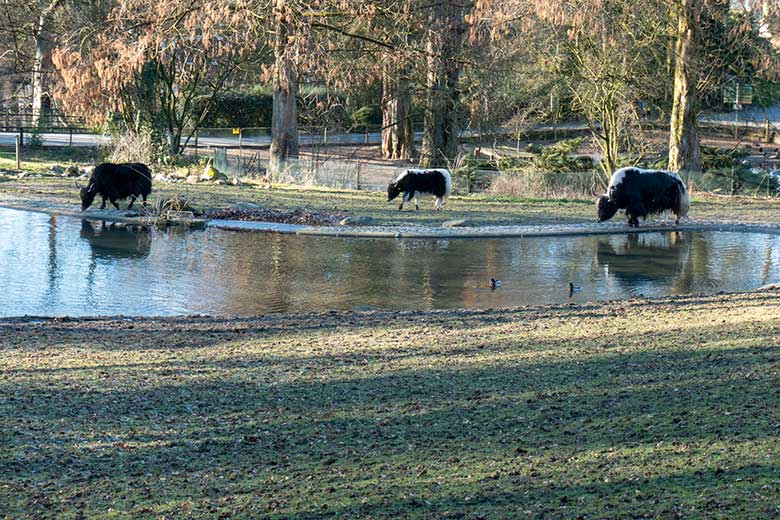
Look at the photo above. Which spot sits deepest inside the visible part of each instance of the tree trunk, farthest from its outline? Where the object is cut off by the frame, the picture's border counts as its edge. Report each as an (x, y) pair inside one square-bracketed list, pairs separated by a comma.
[(397, 130), (41, 103), (444, 43), (684, 152), (284, 125)]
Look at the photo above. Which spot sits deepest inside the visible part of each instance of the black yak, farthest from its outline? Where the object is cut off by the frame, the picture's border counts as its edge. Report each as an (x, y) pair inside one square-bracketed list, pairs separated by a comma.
[(643, 192), (436, 182), (115, 182)]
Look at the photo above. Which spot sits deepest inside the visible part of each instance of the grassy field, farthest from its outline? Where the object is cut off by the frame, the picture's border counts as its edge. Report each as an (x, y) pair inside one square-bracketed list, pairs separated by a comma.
[(665, 408), (475, 209)]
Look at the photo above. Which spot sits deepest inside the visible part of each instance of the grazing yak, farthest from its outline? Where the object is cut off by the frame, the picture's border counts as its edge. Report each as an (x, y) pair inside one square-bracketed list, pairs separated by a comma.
[(436, 182), (115, 182), (643, 192)]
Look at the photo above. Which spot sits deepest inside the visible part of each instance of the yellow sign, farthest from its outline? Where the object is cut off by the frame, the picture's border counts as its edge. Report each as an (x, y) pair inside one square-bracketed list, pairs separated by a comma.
[(236, 131)]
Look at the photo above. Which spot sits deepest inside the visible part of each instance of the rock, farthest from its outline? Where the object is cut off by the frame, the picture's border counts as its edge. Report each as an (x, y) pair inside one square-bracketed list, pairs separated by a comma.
[(212, 174), (72, 171), (245, 206), (362, 220), (192, 179), (160, 178), (220, 182), (234, 181), (22, 175), (180, 173), (87, 171), (454, 223), (57, 169)]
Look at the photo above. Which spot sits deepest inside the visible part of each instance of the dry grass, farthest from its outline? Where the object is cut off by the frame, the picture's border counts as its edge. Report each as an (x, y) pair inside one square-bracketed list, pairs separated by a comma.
[(533, 413)]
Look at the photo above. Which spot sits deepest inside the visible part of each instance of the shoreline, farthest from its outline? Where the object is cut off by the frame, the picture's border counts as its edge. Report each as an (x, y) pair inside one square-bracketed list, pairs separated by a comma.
[(393, 231)]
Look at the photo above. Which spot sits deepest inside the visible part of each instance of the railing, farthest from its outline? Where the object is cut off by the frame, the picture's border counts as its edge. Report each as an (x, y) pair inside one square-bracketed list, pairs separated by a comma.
[(47, 121)]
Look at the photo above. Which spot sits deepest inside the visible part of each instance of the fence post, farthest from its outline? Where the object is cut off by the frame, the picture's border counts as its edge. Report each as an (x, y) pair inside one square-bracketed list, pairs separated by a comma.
[(21, 135), (18, 146), (241, 152), (766, 129), (70, 136), (357, 181)]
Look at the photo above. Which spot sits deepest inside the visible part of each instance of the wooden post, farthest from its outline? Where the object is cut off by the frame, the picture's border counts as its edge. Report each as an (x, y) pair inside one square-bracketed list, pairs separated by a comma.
[(766, 130), (18, 146), (70, 136)]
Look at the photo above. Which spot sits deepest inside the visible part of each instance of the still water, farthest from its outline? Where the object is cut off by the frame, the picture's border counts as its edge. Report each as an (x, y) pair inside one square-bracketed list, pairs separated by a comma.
[(54, 265)]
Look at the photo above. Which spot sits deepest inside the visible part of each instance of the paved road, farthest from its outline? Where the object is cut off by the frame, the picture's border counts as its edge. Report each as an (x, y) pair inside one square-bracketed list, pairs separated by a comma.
[(260, 138), (9, 138)]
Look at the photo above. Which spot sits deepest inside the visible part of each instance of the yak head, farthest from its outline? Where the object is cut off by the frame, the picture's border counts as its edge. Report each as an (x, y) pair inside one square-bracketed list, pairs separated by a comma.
[(606, 208), (393, 190), (87, 195)]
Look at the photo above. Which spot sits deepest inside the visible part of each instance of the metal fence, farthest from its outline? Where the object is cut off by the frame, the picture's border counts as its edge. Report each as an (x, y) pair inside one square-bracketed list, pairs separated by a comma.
[(52, 121), (367, 175), (308, 170)]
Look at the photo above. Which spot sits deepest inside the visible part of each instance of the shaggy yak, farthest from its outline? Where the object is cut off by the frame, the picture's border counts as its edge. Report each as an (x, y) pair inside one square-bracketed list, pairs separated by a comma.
[(115, 182), (642, 193), (412, 183)]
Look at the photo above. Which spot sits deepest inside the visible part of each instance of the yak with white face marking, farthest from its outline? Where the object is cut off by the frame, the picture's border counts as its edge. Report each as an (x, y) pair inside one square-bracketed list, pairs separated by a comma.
[(642, 193), (411, 183)]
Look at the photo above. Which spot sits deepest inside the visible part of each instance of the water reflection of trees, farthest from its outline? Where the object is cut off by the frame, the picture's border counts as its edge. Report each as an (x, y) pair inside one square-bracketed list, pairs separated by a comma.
[(281, 273)]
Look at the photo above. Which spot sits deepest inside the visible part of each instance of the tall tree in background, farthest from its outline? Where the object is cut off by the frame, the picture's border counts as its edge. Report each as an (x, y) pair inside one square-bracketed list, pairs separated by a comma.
[(287, 25), (684, 149), (41, 101), (444, 45), (151, 59)]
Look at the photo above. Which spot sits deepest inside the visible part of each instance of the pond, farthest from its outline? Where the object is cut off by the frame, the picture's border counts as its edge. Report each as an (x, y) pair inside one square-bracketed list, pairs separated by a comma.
[(56, 265)]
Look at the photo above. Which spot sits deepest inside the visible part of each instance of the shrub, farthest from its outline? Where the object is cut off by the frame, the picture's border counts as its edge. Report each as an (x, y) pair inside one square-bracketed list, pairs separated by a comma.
[(557, 158), (134, 147), (35, 140), (370, 115), (232, 110)]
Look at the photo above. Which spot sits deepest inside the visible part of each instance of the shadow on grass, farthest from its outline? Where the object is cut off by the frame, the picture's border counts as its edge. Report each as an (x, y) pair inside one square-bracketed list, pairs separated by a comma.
[(315, 434)]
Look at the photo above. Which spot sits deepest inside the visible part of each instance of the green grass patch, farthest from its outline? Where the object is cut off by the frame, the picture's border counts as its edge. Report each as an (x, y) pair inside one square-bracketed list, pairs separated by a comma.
[(42, 160)]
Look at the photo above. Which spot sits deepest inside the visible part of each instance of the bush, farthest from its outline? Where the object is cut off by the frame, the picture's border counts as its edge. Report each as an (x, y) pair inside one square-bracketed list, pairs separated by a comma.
[(473, 173), (524, 184), (231, 110), (35, 140), (134, 147), (367, 116), (719, 158), (557, 158)]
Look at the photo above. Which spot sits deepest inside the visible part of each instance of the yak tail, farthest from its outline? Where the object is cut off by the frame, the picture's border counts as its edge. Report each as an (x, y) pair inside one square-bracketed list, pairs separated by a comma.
[(683, 202)]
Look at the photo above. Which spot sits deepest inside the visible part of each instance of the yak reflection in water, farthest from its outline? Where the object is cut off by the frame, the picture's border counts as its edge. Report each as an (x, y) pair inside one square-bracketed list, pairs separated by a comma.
[(643, 257), (114, 240)]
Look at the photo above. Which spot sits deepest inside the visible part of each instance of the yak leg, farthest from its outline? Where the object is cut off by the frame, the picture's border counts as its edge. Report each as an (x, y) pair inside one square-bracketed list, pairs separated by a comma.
[(113, 201), (439, 203), (132, 200), (407, 197), (633, 211), (103, 206), (144, 198)]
